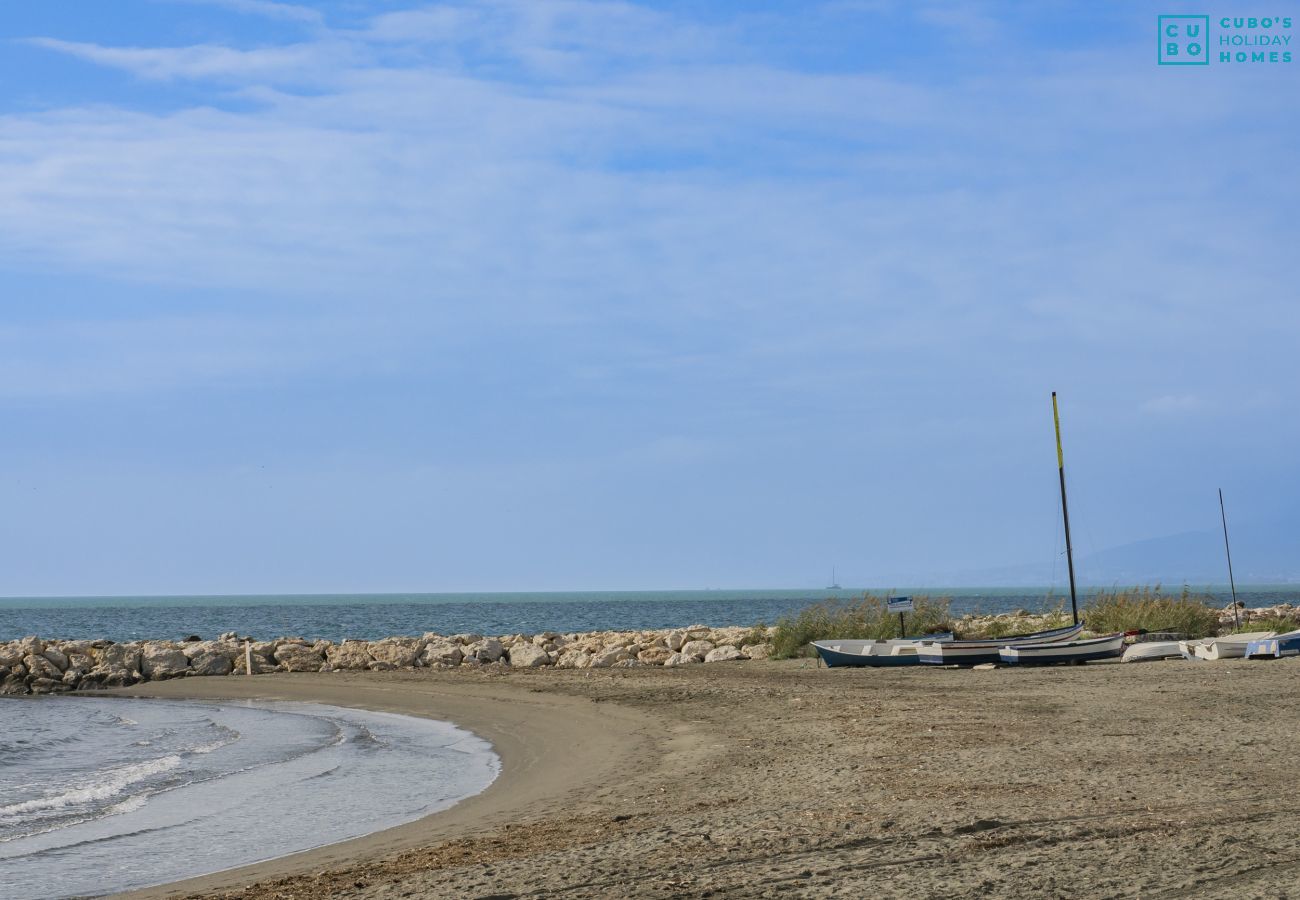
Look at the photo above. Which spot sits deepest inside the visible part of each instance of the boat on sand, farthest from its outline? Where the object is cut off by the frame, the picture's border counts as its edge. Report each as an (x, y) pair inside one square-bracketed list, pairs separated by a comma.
[(1230, 646), (895, 652), (1064, 652), (973, 653), (1275, 647)]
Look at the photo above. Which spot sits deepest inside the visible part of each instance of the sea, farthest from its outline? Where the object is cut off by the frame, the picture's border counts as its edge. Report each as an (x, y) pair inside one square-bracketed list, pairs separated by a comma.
[(371, 616), (103, 794)]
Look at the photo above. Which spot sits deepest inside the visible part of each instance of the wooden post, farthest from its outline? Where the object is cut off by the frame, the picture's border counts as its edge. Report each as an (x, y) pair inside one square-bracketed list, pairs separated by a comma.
[(248, 657)]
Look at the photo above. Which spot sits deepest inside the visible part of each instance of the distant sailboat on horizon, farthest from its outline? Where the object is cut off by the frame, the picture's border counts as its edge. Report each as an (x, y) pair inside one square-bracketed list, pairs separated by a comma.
[(834, 585)]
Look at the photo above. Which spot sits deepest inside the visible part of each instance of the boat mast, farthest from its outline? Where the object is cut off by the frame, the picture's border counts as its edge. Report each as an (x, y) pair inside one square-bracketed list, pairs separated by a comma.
[(1236, 622), (1065, 512)]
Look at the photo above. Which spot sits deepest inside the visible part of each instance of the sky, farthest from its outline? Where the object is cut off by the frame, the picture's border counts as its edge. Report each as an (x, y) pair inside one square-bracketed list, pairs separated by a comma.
[(404, 296)]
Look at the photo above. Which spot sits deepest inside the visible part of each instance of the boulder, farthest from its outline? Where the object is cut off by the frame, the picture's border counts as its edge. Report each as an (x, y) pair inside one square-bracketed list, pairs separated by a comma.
[(607, 657), (48, 686), (488, 650), (159, 661), (13, 684), (118, 656), (11, 654), (298, 658), (350, 655), (528, 656), (210, 663), (573, 659), (725, 653), (654, 656), (698, 649), (679, 659), (40, 667), (56, 656), (441, 653), (31, 646), (398, 652), (756, 651)]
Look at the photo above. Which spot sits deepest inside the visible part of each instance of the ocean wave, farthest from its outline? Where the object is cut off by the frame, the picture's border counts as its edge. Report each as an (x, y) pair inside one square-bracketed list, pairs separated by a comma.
[(106, 786)]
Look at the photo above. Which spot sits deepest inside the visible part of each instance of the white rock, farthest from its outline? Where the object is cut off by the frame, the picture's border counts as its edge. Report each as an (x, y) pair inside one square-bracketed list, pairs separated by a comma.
[(488, 650), (698, 649), (725, 653), (299, 658), (210, 662), (679, 659), (350, 655), (756, 651), (397, 652), (654, 656), (56, 656), (528, 656), (609, 656), (442, 652), (159, 661), (40, 667)]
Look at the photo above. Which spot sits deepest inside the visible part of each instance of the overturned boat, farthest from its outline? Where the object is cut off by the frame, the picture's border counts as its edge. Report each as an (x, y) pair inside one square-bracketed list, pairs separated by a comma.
[(1230, 646), (1275, 647)]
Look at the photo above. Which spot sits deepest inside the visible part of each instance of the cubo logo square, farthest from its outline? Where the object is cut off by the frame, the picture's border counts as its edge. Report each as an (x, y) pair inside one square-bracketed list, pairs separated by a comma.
[(1183, 40)]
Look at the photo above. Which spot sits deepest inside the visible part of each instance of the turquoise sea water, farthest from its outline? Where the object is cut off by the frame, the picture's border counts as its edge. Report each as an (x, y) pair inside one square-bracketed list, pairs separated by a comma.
[(370, 616)]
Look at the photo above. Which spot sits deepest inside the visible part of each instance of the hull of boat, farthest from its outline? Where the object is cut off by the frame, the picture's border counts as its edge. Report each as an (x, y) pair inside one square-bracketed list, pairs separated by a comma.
[(1151, 650), (864, 653), (974, 653), (1228, 647), (1274, 648), (834, 658), (1064, 652)]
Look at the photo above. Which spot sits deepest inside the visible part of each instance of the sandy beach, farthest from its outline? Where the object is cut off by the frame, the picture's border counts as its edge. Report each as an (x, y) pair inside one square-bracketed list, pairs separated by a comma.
[(769, 779)]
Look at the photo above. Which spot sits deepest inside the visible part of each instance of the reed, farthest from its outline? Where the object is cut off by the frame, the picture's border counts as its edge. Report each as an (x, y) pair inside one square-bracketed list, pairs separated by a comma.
[(1148, 609), (866, 618)]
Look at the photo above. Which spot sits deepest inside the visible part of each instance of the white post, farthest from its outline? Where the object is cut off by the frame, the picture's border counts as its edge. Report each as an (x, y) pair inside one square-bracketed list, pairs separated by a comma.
[(248, 657)]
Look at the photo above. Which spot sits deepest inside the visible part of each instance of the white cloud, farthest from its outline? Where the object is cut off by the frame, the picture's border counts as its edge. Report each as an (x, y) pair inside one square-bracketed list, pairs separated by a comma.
[(202, 61), (268, 9)]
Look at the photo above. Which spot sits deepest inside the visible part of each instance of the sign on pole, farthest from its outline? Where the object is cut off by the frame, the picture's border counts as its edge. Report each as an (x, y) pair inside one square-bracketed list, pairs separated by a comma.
[(900, 604)]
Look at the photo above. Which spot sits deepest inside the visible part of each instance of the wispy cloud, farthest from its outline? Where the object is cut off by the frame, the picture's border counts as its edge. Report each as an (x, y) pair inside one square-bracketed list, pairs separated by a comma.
[(201, 62), (289, 12)]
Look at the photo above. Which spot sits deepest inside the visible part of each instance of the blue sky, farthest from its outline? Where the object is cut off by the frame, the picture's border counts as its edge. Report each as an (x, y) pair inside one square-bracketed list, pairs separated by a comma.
[(529, 295)]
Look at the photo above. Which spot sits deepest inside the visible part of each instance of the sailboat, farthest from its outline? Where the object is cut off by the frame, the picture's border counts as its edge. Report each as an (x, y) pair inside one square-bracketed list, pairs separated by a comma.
[(834, 585)]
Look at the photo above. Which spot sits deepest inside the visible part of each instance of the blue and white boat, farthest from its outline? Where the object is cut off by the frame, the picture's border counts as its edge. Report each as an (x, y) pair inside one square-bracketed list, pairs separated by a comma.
[(973, 653), (895, 652), (1064, 652), (1275, 647)]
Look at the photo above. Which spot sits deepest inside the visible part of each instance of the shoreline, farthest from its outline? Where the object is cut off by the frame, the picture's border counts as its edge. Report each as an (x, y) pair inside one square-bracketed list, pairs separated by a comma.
[(552, 749)]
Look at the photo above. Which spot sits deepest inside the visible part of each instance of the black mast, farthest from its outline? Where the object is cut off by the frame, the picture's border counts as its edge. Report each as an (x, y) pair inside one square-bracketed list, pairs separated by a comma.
[(1065, 511), (1236, 622)]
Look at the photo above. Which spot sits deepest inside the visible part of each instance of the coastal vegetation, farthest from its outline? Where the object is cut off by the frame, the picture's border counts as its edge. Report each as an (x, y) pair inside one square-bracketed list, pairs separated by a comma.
[(1149, 609), (866, 618)]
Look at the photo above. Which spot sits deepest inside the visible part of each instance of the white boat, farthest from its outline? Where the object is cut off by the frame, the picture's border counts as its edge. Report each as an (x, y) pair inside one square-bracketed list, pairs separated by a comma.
[(1230, 646), (893, 652), (1150, 650), (973, 653), (1153, 645)]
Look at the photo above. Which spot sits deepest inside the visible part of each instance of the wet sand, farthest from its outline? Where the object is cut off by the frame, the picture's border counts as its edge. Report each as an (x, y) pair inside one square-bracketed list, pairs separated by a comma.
[(773, 779)]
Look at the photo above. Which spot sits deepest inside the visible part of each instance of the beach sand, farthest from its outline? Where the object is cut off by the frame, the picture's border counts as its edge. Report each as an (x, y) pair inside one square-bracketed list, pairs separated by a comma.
[(759, 779)]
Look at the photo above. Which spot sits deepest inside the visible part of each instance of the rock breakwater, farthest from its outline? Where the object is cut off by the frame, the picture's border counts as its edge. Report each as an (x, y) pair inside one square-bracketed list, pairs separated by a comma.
[(36, 666)]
